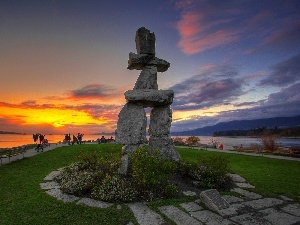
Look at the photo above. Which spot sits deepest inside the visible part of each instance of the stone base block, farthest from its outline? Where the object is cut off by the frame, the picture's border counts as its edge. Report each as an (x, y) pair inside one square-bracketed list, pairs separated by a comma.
[(125, 165)]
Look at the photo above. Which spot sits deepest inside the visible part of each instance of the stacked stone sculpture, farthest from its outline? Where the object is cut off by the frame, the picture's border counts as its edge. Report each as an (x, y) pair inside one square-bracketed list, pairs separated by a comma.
[(131, 126)]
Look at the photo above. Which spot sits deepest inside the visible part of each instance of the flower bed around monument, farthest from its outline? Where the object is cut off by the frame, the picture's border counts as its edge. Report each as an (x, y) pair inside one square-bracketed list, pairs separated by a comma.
[(152, 177)]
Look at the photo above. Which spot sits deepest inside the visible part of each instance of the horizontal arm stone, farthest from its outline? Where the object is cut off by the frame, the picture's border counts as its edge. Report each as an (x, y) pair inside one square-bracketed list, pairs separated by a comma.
[(150, 97), (139, 61)]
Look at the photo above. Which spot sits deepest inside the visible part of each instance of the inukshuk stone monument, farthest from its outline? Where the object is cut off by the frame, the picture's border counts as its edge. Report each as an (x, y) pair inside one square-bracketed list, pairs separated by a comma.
[(131, 127)]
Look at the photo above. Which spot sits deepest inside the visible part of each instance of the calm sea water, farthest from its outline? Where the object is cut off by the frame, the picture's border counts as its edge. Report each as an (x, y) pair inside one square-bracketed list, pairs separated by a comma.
[(12, 140)]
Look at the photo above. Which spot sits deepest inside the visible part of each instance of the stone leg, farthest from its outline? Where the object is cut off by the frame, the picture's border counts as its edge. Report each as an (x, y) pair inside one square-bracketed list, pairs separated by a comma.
[(160, 121), (166, 146), (159, 130), (131, 132), (131, 126)]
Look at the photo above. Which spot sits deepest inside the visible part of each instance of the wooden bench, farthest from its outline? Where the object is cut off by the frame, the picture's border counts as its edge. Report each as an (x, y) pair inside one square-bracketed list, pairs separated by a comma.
[(10, 152)]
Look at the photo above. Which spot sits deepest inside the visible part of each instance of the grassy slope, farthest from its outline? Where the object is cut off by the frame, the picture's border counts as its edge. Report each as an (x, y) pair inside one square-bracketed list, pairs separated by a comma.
[(23, 202)]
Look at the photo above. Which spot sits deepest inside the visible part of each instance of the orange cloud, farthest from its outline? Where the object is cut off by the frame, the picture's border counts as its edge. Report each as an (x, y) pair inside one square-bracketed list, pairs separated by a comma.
[(30, 114)]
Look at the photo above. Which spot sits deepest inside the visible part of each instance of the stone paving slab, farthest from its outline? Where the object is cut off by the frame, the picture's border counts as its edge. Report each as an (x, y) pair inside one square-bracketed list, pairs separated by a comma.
[(93, 203), (246, 193), (251, 219), (52, 175), (144, 215), (232, 199), (178, 216), (263, 203), (210, 218), (57, 193), (244, 185), (232, 210), (292, 209), (236, 178), (189, 193), (277, 217), (49, 185), (284, 198), (191, 206)]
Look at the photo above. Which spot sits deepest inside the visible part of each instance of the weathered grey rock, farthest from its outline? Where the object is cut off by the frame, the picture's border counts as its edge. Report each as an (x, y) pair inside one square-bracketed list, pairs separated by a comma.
[(52, 175), (147, 78), (213, 200), (93, 203), (277, 217), (191, 206), (166, 146), (145, 41), (263, 203), (236, 178), (178, 216), (292, 209), (49, 185), (210, 218), (160, 121), (245, 193), (131, 126), (144, 215), (161, 64), (139, 61), (57, 193), (150, 97)]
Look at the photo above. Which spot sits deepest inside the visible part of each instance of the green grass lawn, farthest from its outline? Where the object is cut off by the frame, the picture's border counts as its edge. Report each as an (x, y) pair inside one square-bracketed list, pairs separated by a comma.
[(269, 176), (23, 202)]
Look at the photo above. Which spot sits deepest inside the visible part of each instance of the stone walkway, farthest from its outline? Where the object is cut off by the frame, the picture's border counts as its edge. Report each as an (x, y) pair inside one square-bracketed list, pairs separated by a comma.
[(32, 152), (243, 207)]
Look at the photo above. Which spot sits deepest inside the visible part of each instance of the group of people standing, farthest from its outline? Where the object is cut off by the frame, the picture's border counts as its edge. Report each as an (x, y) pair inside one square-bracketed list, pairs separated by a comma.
[(39, 137), (76, 139)]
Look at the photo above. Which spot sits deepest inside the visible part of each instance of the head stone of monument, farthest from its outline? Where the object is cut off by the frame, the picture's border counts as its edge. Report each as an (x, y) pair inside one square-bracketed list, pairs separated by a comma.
[(145, 41)]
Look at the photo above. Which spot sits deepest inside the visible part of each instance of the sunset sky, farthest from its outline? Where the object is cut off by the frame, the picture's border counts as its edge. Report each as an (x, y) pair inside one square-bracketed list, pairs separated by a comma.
[(63, 63)]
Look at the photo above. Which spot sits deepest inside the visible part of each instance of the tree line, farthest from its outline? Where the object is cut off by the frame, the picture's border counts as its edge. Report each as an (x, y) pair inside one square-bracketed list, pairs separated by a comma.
[(258, 132)]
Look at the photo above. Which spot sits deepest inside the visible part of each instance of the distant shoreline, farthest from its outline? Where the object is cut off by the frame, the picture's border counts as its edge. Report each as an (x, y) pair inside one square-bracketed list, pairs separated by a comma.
[(7, 132)]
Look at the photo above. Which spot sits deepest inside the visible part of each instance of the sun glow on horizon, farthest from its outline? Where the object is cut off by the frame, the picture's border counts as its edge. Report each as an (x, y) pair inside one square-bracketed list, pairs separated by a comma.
[(53, 116)]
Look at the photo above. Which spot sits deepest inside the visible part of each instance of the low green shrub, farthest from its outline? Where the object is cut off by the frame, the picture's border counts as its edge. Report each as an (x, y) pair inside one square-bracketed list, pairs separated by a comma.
[(170, 190), (150, 169), (115, 189), (210, 172), (80, 178)]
